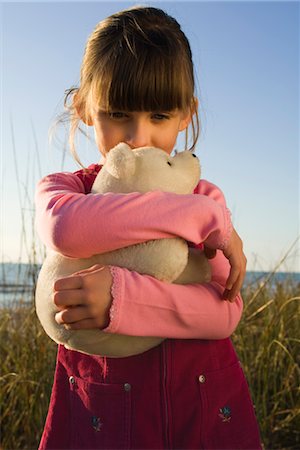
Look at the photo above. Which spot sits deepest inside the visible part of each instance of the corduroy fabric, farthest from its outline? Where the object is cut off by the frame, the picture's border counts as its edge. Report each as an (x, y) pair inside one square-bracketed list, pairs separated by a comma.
[(183, 394)]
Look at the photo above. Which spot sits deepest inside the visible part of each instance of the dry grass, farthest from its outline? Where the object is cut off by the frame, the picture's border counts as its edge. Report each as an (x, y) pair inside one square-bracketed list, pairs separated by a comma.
[(267, 342), (27, 365)]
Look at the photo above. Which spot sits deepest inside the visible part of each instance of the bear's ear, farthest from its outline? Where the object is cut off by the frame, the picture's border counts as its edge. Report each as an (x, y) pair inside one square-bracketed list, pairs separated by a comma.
[(120, 161)]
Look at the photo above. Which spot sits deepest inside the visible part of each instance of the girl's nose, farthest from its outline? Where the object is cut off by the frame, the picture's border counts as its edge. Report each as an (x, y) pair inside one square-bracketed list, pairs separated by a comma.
[(138, 135)]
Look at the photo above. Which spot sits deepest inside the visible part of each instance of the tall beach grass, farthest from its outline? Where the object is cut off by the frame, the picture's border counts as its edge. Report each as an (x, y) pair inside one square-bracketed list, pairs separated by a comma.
[(267, 341), (27, 365), (268, 344)]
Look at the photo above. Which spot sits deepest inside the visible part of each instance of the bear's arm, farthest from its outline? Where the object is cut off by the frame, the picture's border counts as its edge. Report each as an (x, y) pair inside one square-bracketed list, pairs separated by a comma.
[(144, 306), (80, 225)]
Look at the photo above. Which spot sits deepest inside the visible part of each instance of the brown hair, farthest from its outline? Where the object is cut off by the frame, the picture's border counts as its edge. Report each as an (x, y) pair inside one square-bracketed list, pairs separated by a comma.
[(135, 60)]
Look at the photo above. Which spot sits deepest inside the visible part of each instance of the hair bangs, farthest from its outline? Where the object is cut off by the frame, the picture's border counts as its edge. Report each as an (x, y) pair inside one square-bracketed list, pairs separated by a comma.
[(151, 82)]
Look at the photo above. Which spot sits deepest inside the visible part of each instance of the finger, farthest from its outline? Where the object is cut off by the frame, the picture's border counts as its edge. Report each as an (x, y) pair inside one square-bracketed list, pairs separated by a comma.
[(232, 293), (72, 315), (71, 297), (71, 282), (233, 284), (89, 270), (82, 325), (75, 280), (237, 285), (233, 276)]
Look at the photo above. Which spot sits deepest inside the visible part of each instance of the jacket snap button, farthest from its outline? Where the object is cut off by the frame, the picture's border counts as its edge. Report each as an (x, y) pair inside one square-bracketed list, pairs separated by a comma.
[(72, 380), (127, 387), (202, 378)]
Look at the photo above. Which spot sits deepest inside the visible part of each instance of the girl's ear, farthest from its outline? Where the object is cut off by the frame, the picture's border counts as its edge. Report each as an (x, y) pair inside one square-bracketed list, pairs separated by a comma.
[(188, 114), (80, 110)]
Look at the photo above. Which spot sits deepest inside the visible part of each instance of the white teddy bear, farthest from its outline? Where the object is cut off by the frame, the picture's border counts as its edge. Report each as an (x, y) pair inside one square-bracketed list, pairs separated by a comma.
[(126, 170)]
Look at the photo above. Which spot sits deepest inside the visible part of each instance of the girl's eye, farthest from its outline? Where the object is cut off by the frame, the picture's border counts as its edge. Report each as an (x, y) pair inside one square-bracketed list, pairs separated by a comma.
[(117, 115), (158, 116)]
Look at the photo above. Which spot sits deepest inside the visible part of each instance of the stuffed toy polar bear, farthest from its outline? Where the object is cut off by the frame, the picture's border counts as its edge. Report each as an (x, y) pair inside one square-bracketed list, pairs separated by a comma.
[(126, 170)]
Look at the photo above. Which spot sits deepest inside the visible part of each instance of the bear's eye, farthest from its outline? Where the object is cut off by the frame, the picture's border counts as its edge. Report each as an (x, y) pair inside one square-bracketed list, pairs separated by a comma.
[(168, 162)]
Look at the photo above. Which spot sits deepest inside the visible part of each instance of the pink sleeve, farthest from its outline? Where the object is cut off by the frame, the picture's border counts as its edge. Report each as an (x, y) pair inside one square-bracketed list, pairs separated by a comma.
[(144, 306), (80, 225), (175, 311)]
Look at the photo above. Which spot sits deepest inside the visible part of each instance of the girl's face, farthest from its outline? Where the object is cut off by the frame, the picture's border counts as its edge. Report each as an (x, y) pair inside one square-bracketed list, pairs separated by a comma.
[(138, 129)]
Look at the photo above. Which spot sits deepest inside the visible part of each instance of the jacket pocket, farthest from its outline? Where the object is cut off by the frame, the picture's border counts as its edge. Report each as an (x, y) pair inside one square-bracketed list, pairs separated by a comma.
[(229, 420), (100, 415)]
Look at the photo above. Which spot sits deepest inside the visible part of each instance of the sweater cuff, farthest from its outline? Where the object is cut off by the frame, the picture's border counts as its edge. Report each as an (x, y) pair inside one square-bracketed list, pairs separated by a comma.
[(219, 238), (117, 291), (228, 230)]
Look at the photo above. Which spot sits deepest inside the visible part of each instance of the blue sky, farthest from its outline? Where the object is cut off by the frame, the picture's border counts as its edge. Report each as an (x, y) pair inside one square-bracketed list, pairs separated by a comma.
[(246, 56)]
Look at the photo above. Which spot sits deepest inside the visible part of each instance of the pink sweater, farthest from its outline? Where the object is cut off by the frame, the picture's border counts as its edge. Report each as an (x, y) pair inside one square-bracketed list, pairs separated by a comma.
[(78, 224)]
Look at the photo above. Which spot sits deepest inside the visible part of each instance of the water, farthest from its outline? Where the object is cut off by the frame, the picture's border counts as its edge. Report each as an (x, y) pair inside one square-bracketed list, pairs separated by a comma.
[(253, 277), (17, 281)]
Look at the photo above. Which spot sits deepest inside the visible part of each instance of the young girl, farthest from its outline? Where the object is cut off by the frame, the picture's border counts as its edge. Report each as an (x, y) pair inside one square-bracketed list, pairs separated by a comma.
[(137, 86)]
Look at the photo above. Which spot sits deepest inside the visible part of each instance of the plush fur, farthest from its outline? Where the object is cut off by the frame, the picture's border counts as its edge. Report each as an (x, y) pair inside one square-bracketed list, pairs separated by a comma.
[(170, 260)]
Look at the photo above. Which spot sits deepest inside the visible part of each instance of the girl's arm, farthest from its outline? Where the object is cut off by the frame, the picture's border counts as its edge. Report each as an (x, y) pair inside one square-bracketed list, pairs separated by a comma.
[(80, 225), (119, 301), (147, 307), (144, 306)]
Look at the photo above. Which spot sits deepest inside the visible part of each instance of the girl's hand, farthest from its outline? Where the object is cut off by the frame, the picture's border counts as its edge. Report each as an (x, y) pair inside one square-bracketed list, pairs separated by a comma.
[(235, 255), (84, 298)]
